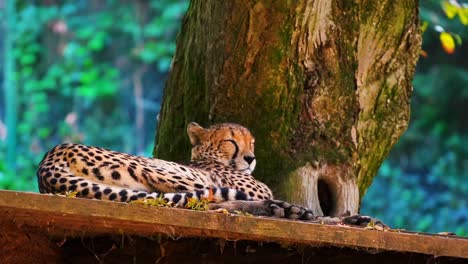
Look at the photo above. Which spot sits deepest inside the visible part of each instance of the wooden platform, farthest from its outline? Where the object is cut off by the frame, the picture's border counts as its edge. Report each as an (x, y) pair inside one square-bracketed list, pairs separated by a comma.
[(62, 218)]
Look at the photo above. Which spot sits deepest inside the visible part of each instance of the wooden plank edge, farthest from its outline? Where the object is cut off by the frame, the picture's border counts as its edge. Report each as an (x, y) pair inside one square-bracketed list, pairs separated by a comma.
[(93, 216)]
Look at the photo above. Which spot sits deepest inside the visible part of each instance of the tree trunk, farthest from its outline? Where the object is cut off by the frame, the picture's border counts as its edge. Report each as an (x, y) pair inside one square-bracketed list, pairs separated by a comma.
[(324, 86)]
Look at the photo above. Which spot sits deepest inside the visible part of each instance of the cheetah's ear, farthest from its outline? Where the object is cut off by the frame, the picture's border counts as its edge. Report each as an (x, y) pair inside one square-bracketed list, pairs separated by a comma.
[(194, 132)]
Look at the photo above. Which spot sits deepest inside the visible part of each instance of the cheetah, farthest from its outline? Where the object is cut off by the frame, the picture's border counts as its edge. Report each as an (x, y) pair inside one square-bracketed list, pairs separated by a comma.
[(222, 161)]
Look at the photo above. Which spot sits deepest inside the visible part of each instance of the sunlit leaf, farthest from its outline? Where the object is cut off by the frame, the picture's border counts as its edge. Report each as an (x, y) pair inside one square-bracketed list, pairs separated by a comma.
[(86, 91), (450, 9), (424, 26), (85, 33), (97, 41), (89, 76), (448, 42), (47, 83), (43, 132), (106, 87), (458, 39), (463, 15), (27, 58)]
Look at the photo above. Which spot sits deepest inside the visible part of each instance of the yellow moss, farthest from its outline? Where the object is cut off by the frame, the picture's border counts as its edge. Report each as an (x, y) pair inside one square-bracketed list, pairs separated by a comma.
[(199, 205), (160, 202)]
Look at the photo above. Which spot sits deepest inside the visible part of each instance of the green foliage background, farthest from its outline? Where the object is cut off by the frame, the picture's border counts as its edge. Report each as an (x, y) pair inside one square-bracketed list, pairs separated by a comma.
[(93, 72), (87, 71)]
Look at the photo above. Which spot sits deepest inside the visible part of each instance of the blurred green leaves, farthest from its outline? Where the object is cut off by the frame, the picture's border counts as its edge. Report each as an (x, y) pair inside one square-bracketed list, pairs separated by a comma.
[(77, 76)]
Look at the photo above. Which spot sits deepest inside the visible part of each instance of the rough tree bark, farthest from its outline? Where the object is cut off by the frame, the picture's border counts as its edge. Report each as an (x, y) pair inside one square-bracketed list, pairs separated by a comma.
[(323, 85)]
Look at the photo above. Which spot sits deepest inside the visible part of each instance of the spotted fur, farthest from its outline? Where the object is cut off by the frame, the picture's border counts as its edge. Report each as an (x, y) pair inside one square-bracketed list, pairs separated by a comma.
[(222, 160)]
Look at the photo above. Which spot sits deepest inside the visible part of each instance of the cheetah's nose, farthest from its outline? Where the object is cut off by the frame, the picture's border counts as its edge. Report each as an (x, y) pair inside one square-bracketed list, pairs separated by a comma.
[(249, 159)]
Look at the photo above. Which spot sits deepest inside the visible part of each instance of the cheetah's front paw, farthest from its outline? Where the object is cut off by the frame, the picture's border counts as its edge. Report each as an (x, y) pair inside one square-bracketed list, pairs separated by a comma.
[(272, 208), (282, 209), (363, 221)]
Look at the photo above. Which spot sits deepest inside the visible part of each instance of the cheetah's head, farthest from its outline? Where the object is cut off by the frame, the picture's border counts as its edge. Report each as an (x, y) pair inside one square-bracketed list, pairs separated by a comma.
[(228, 143)]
